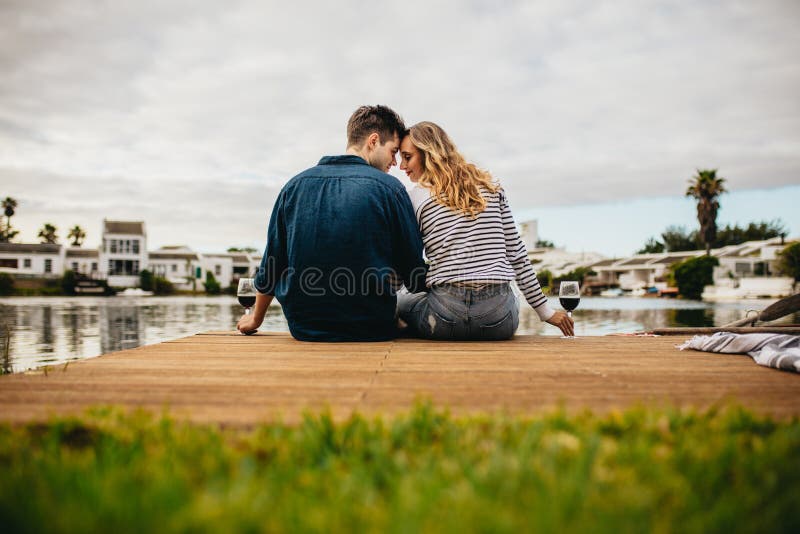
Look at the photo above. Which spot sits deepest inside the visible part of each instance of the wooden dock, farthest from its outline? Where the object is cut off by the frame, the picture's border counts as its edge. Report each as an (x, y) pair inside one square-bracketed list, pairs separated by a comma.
[(226, 378)]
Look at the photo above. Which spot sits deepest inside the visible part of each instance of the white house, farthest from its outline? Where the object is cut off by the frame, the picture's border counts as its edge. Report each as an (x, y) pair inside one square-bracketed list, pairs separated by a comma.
[(748, 268), (85, 261), (178, 264), (220, 265), (123, 253), (29, 259)]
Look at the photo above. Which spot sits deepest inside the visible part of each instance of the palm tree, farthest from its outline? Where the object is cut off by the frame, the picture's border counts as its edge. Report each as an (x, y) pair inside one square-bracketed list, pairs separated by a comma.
[(9, 205), (77, 235), (48, 234), (705, 187)]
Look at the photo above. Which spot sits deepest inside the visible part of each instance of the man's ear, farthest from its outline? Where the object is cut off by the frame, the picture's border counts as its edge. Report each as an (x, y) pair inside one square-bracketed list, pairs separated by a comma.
[(373, 140)]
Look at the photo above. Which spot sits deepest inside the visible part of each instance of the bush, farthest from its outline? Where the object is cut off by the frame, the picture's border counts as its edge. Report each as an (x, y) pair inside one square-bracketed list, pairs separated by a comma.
[(146, 280), (68, 282), (211, 284), (162, 286), (6, 284), (789, 261), (692, 275)]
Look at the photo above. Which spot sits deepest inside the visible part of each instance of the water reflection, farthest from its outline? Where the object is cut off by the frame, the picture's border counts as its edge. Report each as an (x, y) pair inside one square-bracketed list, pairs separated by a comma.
[(46, 331)]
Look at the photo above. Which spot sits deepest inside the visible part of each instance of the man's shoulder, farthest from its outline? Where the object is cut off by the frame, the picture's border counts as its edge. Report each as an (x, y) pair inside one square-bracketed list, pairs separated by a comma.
[(370, 176)]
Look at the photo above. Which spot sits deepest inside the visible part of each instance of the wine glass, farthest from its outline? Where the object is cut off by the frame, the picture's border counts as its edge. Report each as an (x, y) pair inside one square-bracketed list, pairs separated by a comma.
[(246, 294), (569, 294)]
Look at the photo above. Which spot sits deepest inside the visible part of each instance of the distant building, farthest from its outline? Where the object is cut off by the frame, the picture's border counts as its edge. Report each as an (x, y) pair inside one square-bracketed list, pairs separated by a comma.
[(85, 261), (28, 259), (123, 253), (178, 264), (745, 270)]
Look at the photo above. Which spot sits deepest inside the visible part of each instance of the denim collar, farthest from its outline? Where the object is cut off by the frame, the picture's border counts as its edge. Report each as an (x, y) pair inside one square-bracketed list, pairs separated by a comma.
[(345, 159)]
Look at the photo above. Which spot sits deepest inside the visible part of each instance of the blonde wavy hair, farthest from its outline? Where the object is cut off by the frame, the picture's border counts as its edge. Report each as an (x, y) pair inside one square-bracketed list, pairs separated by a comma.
[(454, 182)]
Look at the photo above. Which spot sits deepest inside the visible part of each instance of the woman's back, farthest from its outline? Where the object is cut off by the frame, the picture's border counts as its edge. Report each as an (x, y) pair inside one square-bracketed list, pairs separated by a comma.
[(462, 248)]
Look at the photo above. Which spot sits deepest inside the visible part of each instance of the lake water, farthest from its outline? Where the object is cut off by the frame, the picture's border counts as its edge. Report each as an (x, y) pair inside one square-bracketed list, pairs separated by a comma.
[(55, 330)]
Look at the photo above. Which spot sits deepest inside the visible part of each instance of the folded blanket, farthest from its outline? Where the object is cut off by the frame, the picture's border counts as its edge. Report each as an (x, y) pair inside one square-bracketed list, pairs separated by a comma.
[(780, 351)]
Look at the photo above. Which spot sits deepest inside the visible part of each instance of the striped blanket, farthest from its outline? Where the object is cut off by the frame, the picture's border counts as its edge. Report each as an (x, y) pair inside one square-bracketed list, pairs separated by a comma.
[(780, 351)]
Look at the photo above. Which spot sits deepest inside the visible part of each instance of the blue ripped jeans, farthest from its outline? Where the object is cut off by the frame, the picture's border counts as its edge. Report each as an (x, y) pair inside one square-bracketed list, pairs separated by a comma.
[(457, 313)]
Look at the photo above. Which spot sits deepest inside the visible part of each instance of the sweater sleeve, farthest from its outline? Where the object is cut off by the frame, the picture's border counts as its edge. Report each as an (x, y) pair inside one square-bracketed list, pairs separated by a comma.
[(518, 258)]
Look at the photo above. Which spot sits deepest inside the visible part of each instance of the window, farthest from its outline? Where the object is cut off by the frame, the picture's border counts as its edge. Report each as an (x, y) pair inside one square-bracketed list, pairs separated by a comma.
[(48, 265), (218, 270), (9, 263), (27, 263), (75, 266), (94, 267), (174, 268), (135, 243), (123, 267), (114, 246)]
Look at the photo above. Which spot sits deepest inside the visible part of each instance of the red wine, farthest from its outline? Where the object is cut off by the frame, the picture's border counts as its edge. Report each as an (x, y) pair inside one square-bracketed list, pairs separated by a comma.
[(248, 301), (570, 303)]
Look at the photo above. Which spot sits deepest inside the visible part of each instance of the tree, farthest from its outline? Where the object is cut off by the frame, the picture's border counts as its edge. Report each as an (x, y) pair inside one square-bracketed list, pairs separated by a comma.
[(652, 246), (146, 280), (678, 238), (755, 231), (789, 261), (705, 187), (48, 234), (545, 277), (544, 243), (248, 250), (692, 275), (6, 232), (77, 235)]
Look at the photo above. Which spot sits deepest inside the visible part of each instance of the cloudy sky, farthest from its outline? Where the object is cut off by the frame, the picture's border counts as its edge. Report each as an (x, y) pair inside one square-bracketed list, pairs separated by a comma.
[(190, 115)]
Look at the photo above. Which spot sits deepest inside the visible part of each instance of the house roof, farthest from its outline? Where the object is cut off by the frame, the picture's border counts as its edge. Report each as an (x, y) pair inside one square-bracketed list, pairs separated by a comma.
[(171, 256), (30, 248), (605, 262), (82, 253), (669, 260), (123, 227)]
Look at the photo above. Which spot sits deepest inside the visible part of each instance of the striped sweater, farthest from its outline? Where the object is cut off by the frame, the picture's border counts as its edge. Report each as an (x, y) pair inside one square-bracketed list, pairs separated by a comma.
[(486, 248)]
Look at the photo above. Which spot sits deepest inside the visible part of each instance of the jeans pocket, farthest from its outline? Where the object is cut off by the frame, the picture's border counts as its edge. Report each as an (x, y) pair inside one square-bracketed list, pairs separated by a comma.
[(438, 327), (502, 329)]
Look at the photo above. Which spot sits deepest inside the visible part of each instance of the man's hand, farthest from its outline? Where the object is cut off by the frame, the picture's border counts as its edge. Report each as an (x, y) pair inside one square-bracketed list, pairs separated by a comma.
[(248, 324), (564, 322)]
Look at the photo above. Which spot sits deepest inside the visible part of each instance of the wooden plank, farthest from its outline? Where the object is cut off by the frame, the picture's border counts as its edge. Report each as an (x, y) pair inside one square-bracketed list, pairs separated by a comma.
[(230, 379)]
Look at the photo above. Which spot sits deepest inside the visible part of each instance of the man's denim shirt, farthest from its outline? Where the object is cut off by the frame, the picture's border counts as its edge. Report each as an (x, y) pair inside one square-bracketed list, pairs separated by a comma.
[(341, 235)]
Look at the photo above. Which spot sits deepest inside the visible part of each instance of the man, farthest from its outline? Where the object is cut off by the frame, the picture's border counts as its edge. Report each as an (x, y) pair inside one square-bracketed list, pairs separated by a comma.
[(341, 239)]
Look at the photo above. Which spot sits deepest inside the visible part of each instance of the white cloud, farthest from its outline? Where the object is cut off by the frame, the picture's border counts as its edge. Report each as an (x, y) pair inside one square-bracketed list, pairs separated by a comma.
[(191, 114)]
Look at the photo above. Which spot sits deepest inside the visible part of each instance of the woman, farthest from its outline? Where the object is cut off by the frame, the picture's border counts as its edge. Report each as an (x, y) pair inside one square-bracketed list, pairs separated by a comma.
[(472, 244)]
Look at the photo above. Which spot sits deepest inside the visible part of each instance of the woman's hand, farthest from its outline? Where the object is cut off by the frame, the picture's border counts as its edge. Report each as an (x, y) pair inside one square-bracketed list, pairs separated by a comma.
[(564, 322)]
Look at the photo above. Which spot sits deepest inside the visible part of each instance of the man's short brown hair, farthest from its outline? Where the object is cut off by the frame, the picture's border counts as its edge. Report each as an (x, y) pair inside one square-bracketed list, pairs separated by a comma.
[(368, 119)]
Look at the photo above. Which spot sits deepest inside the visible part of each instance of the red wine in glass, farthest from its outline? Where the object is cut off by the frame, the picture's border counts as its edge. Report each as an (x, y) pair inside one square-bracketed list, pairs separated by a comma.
[(246, 293), (569, 294), (569, 303), (247, 301)]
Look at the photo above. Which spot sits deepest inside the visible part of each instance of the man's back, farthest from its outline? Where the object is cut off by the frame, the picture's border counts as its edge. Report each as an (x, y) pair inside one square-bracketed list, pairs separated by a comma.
[(337, 233)]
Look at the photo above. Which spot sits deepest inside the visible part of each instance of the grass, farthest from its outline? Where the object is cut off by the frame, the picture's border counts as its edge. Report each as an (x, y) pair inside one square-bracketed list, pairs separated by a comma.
[(641, 470)]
